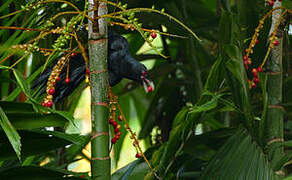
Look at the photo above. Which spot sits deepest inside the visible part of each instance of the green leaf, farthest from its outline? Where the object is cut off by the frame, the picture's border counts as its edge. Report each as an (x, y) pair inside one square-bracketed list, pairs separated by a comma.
[(5, 5), (36, 142), (16, 107), (225, 28), (237, 80), (288, 178), (22, 83), (239, 158), (133, 171), (17, 91), (207, 106), (213, 140), (182, 131), (181, 115), (4, 79), (216, 76), (10, 132), (36, 120), (36, 173), (282, 161), (190, 175)]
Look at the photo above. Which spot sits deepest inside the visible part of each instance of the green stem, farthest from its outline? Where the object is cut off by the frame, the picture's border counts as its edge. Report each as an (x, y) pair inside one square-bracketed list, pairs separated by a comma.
[(97, 46)]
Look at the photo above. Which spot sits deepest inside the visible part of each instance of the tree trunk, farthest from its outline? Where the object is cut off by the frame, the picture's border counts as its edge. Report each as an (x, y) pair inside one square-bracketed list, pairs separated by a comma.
[(97, 46), (274, 120)]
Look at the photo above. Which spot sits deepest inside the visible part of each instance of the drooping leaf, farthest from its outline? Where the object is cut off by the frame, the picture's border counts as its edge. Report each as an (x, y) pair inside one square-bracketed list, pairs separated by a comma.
[(213, 140), (11, 133), (16, 107), (36, 120), (23, 116), (17, 91), (34, 143), (36, 173), (22, 83), (133, 171)]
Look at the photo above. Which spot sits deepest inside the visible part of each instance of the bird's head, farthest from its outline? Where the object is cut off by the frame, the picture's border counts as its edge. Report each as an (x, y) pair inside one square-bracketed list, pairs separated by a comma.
[(136, 71)]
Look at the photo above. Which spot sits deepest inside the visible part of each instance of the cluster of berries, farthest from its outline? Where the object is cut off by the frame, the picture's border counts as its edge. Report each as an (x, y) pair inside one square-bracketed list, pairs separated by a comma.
[(116, 127), (247, 61), (116, 123), (54, 78)]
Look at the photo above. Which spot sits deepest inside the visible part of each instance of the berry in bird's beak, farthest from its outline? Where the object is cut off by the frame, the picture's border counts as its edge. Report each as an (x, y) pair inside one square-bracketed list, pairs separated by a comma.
[(147, 84), (149, 89)]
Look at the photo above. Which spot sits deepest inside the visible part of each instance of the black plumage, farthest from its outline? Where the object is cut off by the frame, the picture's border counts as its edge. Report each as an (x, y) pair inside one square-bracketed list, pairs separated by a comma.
[(120, 65)]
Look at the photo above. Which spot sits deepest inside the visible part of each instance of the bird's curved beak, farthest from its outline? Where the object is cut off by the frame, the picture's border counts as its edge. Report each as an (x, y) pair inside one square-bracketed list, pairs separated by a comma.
[(147, 84)]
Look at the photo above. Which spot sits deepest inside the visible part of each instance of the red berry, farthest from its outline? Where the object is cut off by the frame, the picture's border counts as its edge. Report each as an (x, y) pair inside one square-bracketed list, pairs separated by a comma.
[(114, 140), (260, 69), (87, 71), (49, 103), (58, 78), (118, 134), (82, 176), (153, 35), (74, 54), (276, 42), (245, 62), (271, 3), (67, 80), (117, 137), (246, 50), (44, 104), (245, 58), (150, 89), (256, 80), (111, 121), (117, 130), (257, 41), (254, 72), (138, 155), (115, 124), (120, 118), (51, 91)]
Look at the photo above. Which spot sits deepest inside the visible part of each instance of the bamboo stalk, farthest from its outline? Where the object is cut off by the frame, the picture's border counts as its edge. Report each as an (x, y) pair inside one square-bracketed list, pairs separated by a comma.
[(97, 46), (274, 117)]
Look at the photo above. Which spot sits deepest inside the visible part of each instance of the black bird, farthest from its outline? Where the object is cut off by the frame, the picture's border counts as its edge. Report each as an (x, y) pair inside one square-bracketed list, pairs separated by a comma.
[(120, 65)]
